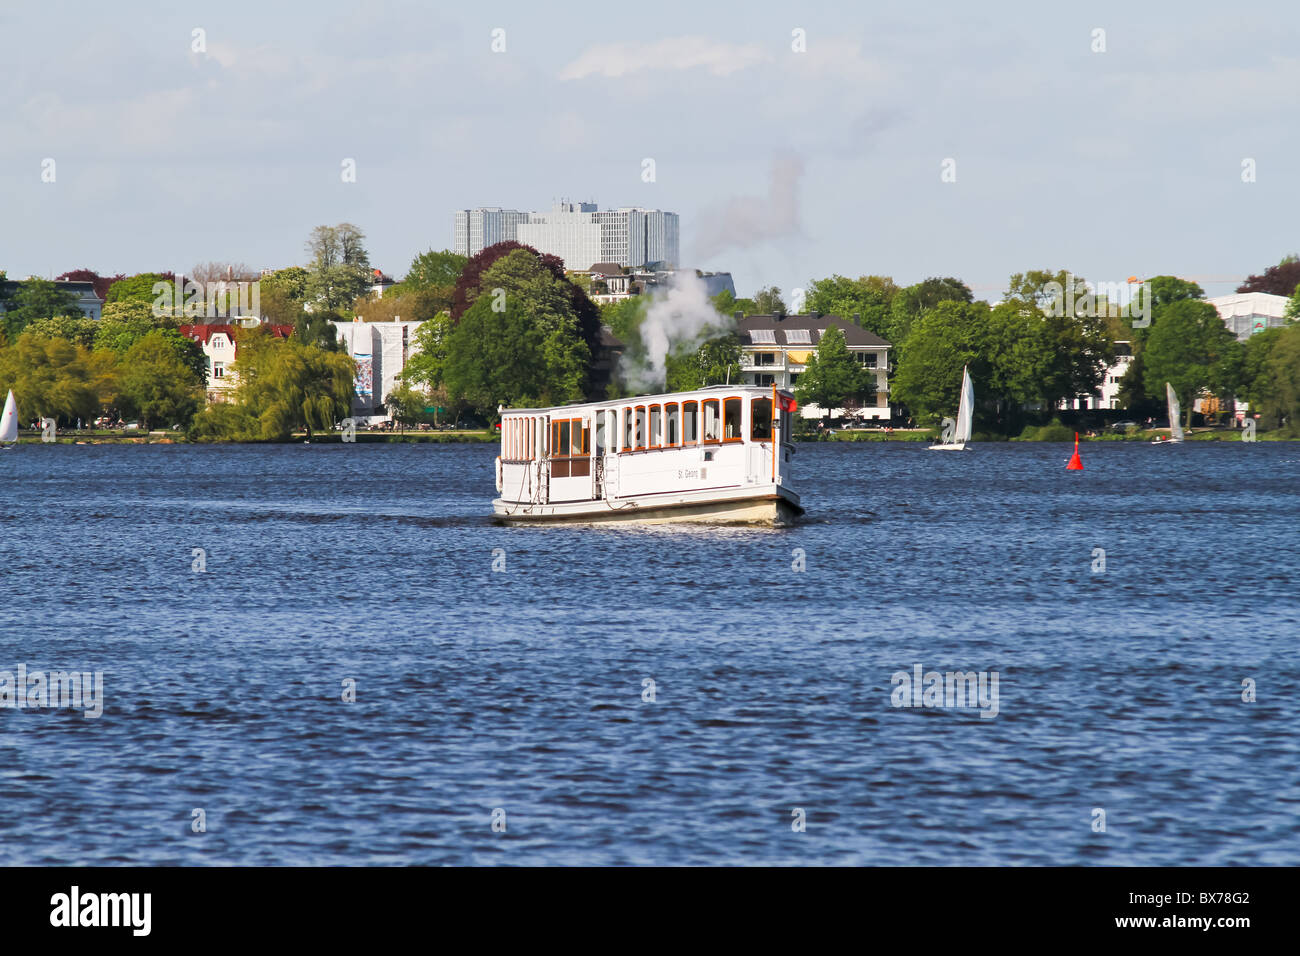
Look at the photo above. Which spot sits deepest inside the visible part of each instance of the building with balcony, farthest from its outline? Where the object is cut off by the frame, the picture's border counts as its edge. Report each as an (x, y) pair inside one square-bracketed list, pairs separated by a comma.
[(775, 350)]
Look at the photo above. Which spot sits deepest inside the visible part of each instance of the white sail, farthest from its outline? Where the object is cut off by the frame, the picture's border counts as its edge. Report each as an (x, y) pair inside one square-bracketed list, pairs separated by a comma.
[(1175, 413), (9, 420), (966, 410)]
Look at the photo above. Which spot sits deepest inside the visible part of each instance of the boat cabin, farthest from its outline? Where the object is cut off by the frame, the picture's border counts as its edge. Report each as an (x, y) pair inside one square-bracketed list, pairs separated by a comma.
[(684, 448)]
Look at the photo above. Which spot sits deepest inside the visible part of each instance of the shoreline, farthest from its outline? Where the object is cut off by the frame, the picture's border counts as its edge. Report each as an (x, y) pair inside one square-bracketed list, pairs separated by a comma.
[(324, 438)]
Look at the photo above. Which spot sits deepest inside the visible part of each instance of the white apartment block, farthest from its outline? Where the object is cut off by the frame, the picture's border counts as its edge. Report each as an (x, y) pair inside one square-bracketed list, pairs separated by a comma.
[(1107, 393), (380, 350)]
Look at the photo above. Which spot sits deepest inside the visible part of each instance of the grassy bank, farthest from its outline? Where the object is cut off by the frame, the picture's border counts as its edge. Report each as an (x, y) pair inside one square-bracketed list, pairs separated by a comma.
[(324, 438)]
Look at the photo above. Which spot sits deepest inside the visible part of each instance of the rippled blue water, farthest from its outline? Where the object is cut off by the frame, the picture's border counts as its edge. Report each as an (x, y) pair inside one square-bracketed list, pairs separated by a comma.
[(522, 689)]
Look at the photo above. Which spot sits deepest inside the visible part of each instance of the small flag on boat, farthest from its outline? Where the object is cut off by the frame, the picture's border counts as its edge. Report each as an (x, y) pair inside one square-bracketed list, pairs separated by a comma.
[(1076, 464), (787, 403)]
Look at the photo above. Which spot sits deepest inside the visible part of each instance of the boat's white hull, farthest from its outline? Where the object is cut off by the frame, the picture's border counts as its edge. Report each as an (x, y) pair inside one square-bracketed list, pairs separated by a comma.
[(1169, 441), (770, 507), (951, 446)]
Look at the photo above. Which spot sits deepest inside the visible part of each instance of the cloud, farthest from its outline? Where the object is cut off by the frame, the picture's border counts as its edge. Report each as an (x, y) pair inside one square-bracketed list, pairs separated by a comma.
[(673, 53), (748, 220)]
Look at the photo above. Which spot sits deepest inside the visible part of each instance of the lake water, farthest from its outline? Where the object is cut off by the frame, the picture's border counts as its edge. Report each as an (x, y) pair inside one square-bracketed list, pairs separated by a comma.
[(522, 689)]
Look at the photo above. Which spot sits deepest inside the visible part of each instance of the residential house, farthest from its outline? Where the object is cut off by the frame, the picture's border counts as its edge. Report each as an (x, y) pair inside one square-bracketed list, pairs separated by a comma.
[(775, 350), (90, 304), (218, 342)]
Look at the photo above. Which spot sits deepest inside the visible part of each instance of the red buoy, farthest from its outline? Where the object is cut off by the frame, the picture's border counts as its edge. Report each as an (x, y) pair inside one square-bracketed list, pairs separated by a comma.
[(1076, 463)]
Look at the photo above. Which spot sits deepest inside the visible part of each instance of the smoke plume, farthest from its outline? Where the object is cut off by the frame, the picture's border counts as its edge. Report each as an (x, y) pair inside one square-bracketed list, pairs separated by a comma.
[(681, 318)]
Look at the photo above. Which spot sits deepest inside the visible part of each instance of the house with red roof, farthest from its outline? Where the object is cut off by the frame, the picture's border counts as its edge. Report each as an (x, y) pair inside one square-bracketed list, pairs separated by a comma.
[(219, 345)]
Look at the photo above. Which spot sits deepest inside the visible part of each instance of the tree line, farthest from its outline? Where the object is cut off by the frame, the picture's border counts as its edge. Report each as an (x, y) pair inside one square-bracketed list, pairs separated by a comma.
[(509, 327)]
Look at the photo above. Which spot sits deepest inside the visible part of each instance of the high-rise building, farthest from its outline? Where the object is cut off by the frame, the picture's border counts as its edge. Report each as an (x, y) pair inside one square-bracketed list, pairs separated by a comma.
[(567, 231), (473, 230), (577, 232)]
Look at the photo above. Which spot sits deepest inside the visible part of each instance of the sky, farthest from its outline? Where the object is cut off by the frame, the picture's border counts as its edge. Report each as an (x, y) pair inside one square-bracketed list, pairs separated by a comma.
[(795, 140)]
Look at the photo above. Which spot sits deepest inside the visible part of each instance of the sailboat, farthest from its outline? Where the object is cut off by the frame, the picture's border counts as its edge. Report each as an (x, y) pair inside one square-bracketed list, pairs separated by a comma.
[(9, 422), (1175, 428), (965, 415)]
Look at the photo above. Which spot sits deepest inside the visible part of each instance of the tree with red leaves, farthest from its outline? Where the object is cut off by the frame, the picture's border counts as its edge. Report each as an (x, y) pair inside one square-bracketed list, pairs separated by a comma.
[(1281, 279), (90, 275), (467, 290)]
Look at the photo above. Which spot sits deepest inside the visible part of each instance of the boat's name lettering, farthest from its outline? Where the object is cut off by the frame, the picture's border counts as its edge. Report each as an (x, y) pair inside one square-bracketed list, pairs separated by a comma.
[(688, 473)]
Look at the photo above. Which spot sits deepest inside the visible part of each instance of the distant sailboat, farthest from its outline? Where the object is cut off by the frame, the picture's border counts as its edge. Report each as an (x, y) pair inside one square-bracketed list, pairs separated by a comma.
[(9, 422), (1175, 413), (965, 416)]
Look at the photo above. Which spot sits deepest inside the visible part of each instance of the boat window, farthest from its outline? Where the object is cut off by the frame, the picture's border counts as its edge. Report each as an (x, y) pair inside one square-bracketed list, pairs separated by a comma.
[(561, 439), (580, 437), (671, 434), (690, 423), (640, 427), (627, 430), (731, 420), (760, 410), (655, 421), (600, 433), (712, 432)]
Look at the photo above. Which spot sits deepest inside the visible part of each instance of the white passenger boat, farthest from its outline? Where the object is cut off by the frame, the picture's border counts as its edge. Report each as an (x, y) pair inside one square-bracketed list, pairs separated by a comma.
[(717, 455)]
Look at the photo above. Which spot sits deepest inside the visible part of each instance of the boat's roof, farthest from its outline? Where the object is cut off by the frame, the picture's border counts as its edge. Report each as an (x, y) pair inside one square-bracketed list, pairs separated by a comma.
[(709, 391)]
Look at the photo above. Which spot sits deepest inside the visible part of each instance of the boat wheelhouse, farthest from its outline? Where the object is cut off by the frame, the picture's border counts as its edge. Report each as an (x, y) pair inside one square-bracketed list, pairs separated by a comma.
[(717, 454)]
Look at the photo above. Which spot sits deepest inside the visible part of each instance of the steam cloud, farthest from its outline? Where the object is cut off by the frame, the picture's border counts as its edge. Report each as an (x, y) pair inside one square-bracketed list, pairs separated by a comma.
[(683, 317), (747, 220)]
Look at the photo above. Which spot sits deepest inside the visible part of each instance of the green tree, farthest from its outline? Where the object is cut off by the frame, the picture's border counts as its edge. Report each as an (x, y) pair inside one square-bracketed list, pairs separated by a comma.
[(424, 366), (952, 335), (1190, 348), (37, 299), (727, 304), (52, 377), (340, 267), (909, 303), (137, 288), (79, 330), (156, 384), (286, 384), (282, 295), (1292, 307), (511, 356), (552, 360), (433, 274), (126, 322), (768, 301), (870, 298), (1271, 376), (833, 375), (715, 361)]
